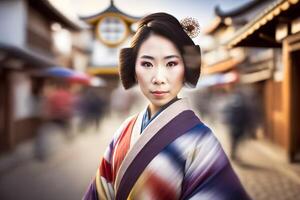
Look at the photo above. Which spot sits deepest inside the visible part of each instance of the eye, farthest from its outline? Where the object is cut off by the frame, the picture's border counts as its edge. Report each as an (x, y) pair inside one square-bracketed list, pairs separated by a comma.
[(172, 64), (146, 64)]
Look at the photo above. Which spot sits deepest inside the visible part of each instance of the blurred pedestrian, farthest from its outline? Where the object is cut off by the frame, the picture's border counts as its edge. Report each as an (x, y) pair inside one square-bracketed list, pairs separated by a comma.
[(238, 117), (90, 107), (57, 108), (164, 152)]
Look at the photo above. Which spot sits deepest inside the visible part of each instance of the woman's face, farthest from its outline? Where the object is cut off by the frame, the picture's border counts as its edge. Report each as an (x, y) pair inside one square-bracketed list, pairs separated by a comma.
[(159, 70)]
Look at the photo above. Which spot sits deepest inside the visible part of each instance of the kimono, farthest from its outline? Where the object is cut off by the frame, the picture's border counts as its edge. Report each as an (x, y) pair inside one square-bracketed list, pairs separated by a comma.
[(189, 165)]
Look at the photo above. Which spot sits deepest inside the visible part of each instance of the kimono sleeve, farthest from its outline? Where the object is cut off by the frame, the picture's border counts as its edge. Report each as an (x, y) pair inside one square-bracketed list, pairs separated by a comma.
[(101, 186), (208, 173)]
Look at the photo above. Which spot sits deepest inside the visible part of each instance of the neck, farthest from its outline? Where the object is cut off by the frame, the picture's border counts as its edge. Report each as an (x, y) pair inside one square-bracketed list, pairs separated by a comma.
[(153, 109)]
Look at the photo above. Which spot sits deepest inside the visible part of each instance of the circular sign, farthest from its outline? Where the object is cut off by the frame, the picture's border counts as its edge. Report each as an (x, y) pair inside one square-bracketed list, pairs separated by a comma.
[(112, 30)]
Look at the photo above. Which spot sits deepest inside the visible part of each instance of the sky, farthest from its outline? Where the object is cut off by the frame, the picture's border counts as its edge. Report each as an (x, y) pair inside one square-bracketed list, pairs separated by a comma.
[(202, 10)]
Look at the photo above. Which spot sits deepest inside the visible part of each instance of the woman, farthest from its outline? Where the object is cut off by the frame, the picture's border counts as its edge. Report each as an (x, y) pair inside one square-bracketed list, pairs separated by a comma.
[(164, 152)]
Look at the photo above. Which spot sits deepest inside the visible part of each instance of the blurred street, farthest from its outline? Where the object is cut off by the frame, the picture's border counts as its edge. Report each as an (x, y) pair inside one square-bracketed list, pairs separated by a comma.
[(62, 98), (262, 169), (67, 173), (64, 175)]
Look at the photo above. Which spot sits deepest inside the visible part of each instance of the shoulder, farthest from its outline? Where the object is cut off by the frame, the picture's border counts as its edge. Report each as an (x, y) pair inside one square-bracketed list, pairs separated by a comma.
[(203, 135), (199, 135), (204, 150), (200, 130), (200, 138)]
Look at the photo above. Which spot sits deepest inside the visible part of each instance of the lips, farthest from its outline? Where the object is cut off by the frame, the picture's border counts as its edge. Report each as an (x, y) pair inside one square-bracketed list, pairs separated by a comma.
[(158, 93)]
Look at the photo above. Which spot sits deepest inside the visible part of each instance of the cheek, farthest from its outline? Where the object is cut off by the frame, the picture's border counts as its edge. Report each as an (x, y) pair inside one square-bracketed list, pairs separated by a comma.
[(178, 77), (141, 77), (139, 73)]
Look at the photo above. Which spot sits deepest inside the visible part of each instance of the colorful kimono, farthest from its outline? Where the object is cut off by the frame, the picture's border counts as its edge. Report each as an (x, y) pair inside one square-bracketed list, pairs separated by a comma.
[(191, 165)]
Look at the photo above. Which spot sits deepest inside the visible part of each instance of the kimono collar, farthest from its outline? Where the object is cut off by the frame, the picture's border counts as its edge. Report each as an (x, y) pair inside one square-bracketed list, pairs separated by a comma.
[(153, 127), (146, 117)]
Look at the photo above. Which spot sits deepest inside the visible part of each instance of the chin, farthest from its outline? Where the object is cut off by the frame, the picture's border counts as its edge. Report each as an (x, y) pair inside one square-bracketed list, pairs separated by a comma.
[(160, 102)]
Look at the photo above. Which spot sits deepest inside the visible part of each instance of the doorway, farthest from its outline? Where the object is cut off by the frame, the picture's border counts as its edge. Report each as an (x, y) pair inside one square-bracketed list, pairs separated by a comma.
[(295, 104)]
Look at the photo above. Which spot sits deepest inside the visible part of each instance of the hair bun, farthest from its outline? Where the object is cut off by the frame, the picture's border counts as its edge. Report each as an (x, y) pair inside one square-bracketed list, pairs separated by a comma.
[(190, 26)]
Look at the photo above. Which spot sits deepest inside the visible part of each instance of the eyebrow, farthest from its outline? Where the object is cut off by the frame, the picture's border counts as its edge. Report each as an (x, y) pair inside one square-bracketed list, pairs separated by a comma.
[(152, 58)]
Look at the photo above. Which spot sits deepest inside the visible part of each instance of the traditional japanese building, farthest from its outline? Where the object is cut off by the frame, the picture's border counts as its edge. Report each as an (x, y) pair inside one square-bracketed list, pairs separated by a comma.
[(112, 30), (278, 28), (27, 46), (219, 62), (225, 69)]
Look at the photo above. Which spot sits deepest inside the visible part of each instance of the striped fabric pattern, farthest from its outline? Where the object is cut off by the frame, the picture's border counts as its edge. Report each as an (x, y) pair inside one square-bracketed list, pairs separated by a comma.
[(194, 166)]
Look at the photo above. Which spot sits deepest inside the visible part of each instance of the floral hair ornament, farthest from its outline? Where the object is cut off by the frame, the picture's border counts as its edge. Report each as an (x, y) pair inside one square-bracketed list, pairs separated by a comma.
[(190, 26)]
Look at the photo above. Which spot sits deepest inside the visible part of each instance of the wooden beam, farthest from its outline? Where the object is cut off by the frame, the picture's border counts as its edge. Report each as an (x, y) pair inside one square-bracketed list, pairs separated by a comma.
[(286, 95)]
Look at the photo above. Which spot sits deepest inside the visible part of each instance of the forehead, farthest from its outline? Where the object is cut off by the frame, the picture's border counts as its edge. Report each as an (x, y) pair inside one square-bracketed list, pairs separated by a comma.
[(156, 45)]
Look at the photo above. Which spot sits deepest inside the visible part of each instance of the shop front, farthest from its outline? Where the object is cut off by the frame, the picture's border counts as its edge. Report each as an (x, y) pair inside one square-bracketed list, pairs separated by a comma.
[(278, 27)]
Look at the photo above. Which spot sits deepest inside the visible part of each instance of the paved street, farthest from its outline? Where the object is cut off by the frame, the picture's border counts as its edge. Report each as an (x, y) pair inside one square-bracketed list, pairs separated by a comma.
[(66, 174), (262, 170)]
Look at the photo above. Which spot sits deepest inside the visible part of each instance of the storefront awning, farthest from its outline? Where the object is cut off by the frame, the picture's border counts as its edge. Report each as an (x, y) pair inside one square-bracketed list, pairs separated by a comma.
[(26, 55), (260, 32), (47, 8)]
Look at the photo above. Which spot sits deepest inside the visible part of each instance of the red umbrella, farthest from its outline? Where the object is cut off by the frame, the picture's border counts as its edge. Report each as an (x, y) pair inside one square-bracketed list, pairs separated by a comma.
[(80, 77)]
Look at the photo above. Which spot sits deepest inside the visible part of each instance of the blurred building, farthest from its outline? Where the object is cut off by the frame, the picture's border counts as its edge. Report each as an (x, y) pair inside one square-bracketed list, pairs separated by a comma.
[(277, 29), (257, 58), (219, 63), (34, 35), (112, 30), (224, 69)]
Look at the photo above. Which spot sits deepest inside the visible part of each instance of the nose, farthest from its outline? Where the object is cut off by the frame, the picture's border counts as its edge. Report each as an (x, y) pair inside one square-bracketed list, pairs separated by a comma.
[(159, 76)]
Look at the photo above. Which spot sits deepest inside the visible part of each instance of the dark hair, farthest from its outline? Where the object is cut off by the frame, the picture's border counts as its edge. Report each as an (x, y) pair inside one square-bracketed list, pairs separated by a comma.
[(169, 27)]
